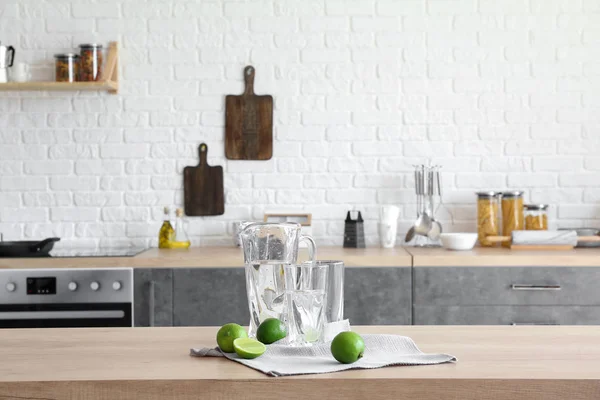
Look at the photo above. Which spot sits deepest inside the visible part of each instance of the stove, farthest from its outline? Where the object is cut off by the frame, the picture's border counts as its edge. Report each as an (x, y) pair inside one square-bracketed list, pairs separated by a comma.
[(101, 252), (66, 298)]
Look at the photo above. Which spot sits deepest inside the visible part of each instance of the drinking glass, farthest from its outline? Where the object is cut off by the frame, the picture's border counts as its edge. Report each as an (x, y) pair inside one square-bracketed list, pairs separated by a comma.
[(334, 307), (305, 302)]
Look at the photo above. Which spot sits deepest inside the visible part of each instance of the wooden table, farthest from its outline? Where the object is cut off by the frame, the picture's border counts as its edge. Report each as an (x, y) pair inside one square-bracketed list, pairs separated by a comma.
[(555, 362)]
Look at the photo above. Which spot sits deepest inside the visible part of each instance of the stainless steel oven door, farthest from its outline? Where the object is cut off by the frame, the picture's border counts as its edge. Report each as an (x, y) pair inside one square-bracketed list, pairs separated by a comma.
[(66, 315)]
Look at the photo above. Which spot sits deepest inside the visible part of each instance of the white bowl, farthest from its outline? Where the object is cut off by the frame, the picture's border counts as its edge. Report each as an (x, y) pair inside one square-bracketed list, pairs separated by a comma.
[(458, 241)]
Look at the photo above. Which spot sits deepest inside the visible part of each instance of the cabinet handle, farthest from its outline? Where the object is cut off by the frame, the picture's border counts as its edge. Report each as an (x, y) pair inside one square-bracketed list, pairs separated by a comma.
[(151, 303), (518, 286), (533, 323)]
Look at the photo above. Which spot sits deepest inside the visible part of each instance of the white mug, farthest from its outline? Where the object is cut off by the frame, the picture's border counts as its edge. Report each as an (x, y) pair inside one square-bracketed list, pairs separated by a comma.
[(20, 72), (387, 234), (3, 75)]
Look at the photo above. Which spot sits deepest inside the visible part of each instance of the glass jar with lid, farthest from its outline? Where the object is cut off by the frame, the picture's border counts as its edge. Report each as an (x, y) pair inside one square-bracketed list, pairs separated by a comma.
[(488, 216), (66, 67), (91, 62), (512, 214), (536, 217)]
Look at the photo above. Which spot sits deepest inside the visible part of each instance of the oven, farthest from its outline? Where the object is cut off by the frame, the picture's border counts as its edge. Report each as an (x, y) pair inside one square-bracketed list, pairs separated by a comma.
[(66, 298)]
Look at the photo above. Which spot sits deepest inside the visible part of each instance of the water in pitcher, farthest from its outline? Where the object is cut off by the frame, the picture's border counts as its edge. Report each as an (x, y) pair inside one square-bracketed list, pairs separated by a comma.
[(265, 286)]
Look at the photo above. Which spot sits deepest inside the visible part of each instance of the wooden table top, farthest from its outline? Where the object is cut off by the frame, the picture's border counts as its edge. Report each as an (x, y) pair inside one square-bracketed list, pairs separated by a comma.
[(553, 362)]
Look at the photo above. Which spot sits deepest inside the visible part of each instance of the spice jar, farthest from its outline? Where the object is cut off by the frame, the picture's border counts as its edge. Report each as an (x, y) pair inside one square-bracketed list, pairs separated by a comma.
[(512, 214), (67, 67), (536, 217), (90, 62), (487, 217)]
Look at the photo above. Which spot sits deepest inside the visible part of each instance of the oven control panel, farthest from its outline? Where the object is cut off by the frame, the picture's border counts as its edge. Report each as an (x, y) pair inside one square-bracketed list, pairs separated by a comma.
[(68, 285)]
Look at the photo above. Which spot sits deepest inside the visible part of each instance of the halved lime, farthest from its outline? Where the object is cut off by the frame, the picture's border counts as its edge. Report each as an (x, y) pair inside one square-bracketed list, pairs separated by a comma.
[(248, 348)]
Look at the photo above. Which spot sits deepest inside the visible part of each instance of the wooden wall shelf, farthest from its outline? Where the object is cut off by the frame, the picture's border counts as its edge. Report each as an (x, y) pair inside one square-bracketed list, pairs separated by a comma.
[(109, 80)]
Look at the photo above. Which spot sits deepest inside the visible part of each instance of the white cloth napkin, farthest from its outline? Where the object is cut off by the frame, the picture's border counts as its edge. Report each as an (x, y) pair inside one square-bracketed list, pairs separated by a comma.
[(380, 351)]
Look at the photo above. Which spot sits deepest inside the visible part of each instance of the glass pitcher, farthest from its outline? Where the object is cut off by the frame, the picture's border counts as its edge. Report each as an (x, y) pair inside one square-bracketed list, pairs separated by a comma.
[(268, 247)]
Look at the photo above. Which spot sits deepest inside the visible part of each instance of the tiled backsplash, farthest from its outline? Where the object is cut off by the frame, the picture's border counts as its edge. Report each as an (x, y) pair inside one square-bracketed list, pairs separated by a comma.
[(502, 93)]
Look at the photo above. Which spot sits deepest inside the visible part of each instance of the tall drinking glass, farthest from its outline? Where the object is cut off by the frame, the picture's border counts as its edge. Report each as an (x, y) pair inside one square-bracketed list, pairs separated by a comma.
[(305, 302), (334, 308)]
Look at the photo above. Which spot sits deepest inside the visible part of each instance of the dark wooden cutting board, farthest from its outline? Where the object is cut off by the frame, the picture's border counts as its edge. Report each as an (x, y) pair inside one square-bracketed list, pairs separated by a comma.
[(249, 123), (203, 187)]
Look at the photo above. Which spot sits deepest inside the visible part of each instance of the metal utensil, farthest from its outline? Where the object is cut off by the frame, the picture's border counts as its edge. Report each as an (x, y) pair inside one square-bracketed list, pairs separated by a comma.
[(436, 189), (423, 223), (410, 235)]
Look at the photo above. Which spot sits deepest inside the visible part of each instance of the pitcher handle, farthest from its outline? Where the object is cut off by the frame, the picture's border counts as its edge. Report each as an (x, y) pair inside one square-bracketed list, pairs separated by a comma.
[(312, 247)]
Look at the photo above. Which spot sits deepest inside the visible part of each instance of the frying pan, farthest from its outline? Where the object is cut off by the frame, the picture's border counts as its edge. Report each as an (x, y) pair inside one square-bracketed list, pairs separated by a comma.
[(27, 248)]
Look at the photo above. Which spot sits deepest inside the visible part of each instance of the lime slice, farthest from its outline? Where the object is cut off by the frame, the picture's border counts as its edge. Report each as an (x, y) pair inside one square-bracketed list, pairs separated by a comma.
[(248, 348), (311, 335)]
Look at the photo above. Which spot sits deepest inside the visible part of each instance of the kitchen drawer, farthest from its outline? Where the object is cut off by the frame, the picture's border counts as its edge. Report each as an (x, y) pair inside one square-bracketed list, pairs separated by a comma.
[(506, 315), (378, 295), (506, 286)]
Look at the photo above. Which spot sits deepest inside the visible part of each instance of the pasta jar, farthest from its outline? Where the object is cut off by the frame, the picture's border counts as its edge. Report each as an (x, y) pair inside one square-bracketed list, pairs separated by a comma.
[(487, 217), (91, 62), (536, 217), (67, 67), (512, 214)]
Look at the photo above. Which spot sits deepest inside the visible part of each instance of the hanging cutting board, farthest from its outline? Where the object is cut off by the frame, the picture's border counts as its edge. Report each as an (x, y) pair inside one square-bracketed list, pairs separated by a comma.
[(203, 187), (249, 123)]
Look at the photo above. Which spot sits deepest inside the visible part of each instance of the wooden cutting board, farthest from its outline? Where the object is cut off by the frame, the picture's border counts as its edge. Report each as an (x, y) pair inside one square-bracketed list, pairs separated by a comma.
[(203, 187), (249, 123)]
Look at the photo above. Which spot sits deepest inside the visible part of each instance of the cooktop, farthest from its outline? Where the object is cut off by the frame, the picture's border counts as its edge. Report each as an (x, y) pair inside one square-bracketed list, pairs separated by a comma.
[(102, 252)]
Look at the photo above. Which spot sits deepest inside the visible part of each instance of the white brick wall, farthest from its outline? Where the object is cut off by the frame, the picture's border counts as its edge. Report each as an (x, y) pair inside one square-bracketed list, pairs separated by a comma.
[(503, 93)]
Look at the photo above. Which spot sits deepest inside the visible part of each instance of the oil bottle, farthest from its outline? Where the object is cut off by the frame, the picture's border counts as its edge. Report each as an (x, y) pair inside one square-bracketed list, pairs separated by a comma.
[(181, 240), (166, 234)]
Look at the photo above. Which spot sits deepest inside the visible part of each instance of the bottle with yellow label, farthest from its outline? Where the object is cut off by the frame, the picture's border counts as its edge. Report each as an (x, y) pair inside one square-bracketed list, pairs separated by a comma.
[(166, 233), (181, 240)]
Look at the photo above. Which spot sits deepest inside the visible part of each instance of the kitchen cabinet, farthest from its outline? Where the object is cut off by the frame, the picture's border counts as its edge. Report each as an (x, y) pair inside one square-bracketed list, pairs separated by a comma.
[(378, 295), (507, 315), (209, 296), (153, 297), (506, 295)]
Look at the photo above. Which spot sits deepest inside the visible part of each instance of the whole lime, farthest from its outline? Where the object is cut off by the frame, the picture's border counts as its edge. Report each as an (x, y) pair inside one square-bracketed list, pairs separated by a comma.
[(347, 347), (227, 334), (270, 331)]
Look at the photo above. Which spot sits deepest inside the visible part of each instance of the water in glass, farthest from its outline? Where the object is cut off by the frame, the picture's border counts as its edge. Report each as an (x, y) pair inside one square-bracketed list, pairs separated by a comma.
[(305, 302), (305, 317)]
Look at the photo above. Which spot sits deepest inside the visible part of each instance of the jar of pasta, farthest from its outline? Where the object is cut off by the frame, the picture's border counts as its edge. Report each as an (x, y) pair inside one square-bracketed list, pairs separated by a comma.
[(512, 214), (487, 217), (67, 67), (536, 217), (91, 62)]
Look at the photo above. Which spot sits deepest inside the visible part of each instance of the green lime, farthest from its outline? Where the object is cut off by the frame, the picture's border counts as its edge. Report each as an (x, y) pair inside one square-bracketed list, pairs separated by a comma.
[(347, 347), (227, 334), (271, 330), (248, 348)]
